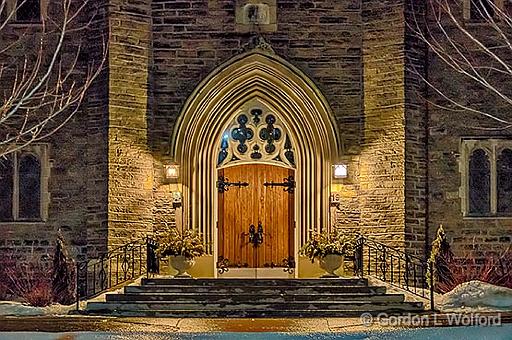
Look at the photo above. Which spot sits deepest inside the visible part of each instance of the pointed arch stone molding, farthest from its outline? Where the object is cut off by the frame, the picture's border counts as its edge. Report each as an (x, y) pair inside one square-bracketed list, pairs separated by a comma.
[(277, 84)]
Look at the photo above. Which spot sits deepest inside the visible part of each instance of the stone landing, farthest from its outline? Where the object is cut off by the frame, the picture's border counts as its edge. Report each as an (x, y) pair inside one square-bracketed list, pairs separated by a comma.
[(252, 298)]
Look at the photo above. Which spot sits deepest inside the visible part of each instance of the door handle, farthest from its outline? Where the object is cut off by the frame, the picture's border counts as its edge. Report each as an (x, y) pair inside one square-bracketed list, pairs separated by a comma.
[(260, 233), (256, 236), (252, 234)]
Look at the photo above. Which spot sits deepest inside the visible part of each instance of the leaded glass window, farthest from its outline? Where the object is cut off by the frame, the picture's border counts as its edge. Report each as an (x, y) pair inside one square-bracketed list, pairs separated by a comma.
[(6, 188), (29, 187), (504, 182), (481, 10), (479, 183), (28, 10), (23, 183)]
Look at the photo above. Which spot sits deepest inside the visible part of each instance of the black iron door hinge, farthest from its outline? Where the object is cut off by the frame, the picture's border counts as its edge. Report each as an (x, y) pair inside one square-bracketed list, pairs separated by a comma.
[(223, 184), (288, 184)]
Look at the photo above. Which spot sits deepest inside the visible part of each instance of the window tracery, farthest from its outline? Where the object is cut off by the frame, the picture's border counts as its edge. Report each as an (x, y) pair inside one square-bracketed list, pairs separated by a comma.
[(256, 135)]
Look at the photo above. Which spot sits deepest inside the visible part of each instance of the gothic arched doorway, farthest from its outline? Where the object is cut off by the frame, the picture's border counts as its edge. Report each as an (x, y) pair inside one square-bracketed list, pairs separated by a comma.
[(256, 195), (258, 79)]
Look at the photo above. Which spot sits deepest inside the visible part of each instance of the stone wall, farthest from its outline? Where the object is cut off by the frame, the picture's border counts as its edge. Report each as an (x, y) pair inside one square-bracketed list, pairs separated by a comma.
[(130, 164), (191, 38), (96, 153), (69, 161), (382, 165), (339, 45), (106, 176), (416, 171), (385, 194), (322, 38), (469, 236)]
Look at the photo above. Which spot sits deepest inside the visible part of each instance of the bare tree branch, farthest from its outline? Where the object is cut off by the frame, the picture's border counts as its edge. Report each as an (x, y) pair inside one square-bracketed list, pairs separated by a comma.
[(480, 54), (41, 90)]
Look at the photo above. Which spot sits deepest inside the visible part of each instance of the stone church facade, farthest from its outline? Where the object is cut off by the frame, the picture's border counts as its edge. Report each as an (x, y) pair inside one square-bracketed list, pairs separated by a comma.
[(322, 84)]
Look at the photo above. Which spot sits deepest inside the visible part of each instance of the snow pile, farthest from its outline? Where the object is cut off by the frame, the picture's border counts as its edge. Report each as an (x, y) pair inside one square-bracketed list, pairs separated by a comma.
[(477, 295), (20, 309)]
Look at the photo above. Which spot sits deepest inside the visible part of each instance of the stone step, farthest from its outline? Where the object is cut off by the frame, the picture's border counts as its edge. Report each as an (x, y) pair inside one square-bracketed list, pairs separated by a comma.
[(112, 307), (250, 290), (257, 282), (253, 298), (246, 313)]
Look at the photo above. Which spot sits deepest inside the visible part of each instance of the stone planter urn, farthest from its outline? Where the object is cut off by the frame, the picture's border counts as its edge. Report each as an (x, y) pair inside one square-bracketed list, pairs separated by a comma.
[(181, 264), (330, 263)]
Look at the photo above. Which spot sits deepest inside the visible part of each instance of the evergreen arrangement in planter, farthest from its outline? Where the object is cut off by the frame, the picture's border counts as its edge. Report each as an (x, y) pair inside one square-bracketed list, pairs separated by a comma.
[(181, 248), (323, 244), (329, 249), (175, 243)]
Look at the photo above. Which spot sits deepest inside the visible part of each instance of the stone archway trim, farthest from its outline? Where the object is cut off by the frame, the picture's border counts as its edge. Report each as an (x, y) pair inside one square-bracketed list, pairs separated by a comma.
[(256, 75)]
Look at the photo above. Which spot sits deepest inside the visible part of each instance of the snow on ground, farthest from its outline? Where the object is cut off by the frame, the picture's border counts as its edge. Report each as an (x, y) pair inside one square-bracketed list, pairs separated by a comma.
[(13, 308), (467, 297), (476, 296), (8, 308)]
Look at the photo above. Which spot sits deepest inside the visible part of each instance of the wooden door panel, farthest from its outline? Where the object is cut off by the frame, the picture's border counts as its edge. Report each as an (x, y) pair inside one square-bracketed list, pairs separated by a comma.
[(236, 214), (275, 218), (239, 207)]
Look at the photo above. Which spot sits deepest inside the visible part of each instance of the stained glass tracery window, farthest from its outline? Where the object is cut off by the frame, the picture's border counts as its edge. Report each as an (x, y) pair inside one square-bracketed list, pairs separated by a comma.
[(256, 135)]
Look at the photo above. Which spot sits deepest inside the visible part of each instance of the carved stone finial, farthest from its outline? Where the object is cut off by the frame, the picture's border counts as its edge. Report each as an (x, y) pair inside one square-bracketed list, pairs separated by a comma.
[(258, 43), (263, 45)]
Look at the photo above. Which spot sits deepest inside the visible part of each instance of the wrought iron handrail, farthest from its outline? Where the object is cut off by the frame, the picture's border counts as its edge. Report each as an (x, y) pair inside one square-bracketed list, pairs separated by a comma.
[(117, 266), (395, 267)]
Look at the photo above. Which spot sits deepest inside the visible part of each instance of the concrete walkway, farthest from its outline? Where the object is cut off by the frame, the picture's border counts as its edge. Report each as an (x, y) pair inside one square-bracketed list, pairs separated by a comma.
[(321, 325)]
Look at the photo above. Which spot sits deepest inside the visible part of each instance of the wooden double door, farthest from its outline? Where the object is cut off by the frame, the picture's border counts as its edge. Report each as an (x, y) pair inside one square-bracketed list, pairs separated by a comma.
[(256, 216)]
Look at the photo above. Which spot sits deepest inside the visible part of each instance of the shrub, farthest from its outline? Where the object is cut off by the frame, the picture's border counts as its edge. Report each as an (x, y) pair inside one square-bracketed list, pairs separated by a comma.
[(30, 281), (63, 274), (495, 270), (37, 280), (3, 290), (6, 262), (449, 272), (39, 294), (441, 258)]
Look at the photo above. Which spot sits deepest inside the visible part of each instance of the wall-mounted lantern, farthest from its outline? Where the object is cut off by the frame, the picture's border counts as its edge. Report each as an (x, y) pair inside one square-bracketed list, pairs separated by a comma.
[(171, 172), (340, 171)]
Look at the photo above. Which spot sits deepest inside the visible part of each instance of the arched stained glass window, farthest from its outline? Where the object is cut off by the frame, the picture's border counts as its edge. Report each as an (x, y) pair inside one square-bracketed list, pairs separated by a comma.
[(6, 188), (504, 182), (29, 187), (256, 134), (479, 183)]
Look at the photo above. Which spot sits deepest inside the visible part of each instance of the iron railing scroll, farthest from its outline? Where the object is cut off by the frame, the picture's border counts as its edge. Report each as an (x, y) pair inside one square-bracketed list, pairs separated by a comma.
[(395, 267), (118, 266)]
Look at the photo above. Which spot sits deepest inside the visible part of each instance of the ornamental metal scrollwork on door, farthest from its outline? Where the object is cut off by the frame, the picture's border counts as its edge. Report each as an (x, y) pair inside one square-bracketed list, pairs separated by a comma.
[(288, 184), (256, 135), (255, 228), (223, 184)]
